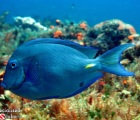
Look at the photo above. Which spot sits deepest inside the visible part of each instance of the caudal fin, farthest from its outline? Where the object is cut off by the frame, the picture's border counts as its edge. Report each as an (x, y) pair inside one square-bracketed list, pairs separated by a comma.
[(110, 61)]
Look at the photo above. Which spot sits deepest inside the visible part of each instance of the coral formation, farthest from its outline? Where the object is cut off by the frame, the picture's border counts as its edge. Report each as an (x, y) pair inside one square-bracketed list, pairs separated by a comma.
[(110, 98), (25, 21), (57, 34), (83, 25)]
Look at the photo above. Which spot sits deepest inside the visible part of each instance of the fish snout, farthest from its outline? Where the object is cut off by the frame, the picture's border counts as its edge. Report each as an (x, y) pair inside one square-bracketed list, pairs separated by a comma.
[(2, 85), (13, 79)]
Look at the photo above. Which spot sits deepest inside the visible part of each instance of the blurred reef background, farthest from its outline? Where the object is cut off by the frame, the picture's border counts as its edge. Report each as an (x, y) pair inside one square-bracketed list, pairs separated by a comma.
[(111, 97)]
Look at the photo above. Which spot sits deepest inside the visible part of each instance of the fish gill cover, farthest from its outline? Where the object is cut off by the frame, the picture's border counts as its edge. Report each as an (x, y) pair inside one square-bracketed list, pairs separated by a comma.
[(100, 24)]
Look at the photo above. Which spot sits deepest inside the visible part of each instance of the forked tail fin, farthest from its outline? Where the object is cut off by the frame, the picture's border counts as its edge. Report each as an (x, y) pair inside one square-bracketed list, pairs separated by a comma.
[(110, 61)]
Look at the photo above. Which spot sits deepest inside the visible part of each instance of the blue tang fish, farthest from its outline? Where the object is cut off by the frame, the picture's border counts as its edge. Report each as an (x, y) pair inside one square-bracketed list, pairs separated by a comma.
[(48, 68)]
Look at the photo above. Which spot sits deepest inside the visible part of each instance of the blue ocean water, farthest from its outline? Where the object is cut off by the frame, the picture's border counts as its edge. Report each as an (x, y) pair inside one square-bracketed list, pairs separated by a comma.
[(93, 11)]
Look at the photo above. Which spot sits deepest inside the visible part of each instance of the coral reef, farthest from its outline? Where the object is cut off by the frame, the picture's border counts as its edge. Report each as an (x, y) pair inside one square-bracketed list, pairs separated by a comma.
[(28, 21), (110, 98)]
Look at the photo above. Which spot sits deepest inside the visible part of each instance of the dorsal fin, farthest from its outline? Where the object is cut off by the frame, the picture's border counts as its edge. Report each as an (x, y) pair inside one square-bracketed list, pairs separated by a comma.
[(88, 51)]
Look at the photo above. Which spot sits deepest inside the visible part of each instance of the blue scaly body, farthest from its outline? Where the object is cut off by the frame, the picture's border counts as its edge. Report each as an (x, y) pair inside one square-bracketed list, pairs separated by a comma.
[(53, 68)]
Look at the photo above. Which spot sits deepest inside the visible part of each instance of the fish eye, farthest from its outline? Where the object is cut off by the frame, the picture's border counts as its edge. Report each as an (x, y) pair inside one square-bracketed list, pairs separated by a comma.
[(14, 64)]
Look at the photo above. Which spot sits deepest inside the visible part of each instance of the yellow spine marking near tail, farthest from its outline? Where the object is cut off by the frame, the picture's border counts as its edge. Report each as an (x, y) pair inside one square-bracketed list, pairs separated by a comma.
[(90, 66)]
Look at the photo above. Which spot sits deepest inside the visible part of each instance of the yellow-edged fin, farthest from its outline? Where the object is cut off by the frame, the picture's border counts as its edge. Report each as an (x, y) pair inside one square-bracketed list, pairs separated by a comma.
[(89, 66)]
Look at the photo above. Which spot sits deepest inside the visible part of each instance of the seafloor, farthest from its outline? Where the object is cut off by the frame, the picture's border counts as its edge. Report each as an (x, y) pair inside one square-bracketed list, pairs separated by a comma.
[(110, 98)]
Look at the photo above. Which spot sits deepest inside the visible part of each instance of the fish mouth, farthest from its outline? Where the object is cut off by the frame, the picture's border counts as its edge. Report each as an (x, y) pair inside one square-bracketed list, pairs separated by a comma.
[(18, 80), (2, 84)]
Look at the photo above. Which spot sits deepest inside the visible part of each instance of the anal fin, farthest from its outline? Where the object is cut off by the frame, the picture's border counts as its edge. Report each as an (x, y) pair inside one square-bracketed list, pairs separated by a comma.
[(85, 85)]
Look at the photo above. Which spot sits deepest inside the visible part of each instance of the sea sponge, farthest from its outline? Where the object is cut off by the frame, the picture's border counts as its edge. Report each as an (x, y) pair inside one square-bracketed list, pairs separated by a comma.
[(83, 25), (132, 37), (29, 21), (58, 22), (79, 36), (57, 34)]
